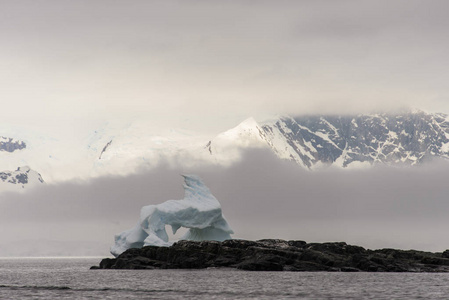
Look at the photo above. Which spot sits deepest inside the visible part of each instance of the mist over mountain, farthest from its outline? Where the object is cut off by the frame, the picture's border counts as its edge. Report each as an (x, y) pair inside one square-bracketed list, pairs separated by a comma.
[(312, 142)]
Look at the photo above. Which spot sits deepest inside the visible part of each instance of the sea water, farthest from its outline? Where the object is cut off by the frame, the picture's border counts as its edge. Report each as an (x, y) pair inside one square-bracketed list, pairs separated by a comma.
[(70, 278)]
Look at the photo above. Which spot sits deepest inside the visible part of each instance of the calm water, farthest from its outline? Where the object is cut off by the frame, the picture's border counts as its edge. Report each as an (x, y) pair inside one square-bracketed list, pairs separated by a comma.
[(72, 279)]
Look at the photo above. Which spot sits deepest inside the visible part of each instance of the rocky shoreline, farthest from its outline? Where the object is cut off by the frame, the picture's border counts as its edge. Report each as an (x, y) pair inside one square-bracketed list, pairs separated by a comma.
[(277, 255)]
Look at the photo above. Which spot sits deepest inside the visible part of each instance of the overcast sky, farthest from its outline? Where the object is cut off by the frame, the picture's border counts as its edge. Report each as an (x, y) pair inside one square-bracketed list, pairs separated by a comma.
[(261, 198), (209, 64)]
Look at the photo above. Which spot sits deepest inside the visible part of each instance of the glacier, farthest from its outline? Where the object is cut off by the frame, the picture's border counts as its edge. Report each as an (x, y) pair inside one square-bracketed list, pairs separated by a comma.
[(199, 211)]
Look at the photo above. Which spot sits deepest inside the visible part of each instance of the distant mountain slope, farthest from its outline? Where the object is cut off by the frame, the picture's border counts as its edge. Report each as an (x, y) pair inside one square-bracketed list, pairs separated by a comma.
[(19, 179), (122, 150), (310, 141)]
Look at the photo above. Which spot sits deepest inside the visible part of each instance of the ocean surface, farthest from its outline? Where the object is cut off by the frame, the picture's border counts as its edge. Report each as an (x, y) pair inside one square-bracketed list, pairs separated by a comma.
[(70, 278)]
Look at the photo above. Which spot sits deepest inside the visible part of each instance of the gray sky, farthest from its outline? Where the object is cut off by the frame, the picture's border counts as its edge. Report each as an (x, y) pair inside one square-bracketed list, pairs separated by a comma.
[(261, 198), (209, 64)]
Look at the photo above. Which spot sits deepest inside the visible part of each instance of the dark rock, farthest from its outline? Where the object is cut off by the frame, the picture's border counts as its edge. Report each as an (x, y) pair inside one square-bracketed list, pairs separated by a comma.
[(277, 255), (260, 265), (349, 269), (107, 263), (297, 244)]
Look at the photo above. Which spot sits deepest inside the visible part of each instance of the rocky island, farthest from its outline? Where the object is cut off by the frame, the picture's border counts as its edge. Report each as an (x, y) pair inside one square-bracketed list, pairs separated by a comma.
[(277, 255)]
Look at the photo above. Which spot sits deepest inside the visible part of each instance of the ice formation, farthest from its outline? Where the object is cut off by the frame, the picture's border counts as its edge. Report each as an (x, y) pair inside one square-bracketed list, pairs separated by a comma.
[(199, 211)]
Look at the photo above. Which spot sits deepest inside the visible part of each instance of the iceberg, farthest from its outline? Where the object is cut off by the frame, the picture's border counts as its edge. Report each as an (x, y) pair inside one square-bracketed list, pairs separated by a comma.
[(199, 211)]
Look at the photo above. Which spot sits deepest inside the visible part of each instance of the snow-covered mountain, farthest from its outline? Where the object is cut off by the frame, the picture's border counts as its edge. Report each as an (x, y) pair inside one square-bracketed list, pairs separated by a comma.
[(55, 157), (123, 149), (227, 147), (311, 141), (23, 176), (111, 148), (19, 179)]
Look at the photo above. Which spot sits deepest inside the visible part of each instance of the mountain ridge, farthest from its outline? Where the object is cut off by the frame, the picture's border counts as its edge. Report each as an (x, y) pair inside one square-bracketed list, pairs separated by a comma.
[(364, 139)]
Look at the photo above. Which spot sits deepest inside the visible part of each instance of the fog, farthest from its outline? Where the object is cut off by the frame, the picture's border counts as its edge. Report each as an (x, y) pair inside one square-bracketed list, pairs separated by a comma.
[(261, 197)]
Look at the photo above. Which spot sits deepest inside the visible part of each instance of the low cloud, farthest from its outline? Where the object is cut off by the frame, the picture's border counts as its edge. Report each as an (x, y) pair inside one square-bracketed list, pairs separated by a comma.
[(261, 197)]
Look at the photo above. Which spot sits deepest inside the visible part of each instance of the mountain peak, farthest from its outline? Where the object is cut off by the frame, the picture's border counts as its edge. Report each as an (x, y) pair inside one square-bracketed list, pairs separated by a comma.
[(227, 145), (247, 128)]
